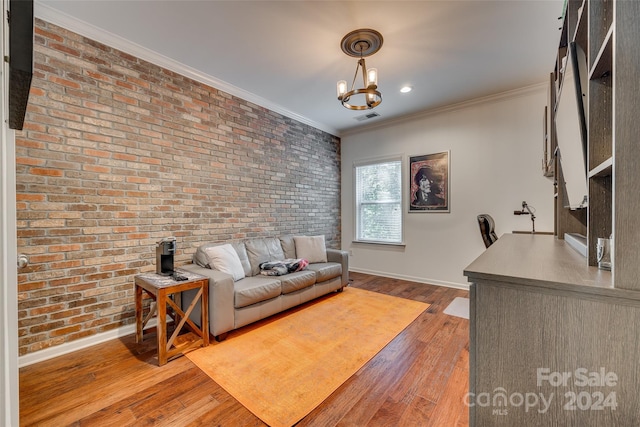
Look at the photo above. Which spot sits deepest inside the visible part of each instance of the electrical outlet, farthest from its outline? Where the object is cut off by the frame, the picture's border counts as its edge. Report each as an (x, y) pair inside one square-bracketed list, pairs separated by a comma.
[(350, 252)]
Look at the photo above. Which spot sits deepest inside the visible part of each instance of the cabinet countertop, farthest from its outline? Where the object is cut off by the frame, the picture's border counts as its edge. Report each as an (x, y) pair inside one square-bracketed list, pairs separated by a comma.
[(542, 261)]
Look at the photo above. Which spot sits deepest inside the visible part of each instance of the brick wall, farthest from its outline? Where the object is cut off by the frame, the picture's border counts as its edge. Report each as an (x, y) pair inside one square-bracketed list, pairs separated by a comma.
[(117, 153)]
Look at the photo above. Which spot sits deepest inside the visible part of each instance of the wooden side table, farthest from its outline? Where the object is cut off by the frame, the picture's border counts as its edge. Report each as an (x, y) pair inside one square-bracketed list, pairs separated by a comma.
[(160, 288)]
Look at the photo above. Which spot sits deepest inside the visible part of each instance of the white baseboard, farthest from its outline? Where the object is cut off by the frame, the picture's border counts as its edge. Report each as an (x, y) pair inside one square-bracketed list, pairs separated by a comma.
[(463, 286), (70, 347)]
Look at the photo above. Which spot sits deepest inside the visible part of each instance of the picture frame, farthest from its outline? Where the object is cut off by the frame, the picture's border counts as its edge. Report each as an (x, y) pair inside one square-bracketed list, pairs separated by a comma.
[(429, 182)]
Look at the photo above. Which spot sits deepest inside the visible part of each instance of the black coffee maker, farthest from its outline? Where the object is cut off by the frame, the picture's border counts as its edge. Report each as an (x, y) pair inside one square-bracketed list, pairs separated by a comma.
[(165, 249)]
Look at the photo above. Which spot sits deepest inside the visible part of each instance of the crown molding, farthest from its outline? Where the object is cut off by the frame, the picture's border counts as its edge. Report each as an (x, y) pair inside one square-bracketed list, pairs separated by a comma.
[(47, 13), (514, 93)]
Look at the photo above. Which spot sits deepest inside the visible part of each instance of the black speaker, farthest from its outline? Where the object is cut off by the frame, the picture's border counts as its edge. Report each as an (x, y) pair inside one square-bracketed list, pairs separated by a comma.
[(20, 59)]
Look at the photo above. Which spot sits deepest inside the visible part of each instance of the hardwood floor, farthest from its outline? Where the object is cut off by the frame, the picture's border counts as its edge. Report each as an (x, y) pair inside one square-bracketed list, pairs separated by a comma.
[(419, 379)]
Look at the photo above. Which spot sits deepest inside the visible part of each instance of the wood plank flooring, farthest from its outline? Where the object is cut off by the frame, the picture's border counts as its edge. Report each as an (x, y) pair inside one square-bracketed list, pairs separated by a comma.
[(419, 379)]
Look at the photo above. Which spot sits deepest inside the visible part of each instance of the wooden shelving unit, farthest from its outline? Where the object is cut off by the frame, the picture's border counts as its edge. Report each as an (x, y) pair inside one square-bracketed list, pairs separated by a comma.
[(535, 298), (625, 145), (608, 33)]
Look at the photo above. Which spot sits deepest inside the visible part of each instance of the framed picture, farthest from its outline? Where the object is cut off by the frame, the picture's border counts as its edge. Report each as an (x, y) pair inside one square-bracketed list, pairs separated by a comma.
[(429, 182)]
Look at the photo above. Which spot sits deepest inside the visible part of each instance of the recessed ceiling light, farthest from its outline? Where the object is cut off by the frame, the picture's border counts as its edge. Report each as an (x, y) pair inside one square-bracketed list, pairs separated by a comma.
[(406, 89)]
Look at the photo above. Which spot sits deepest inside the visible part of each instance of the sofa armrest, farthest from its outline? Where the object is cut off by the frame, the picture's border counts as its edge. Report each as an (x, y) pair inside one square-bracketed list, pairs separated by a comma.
[(221, 298), (336, 255)]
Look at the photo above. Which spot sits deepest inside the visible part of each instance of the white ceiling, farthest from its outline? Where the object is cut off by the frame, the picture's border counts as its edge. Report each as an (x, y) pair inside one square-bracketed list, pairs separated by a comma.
[(285, 55)]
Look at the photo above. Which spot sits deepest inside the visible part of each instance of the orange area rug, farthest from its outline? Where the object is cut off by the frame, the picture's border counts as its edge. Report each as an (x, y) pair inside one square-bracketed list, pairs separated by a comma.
[(281, 368)]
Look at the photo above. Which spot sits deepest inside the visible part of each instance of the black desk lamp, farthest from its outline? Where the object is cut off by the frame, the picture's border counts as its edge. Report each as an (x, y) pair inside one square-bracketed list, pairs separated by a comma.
[(527, 211)]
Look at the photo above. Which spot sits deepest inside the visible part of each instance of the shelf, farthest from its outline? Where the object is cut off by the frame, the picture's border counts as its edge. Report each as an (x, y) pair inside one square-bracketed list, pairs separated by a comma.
[(604, 60), (603, 169)]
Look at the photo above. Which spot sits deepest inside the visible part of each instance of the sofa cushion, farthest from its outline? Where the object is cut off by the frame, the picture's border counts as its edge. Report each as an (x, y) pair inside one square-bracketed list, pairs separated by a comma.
[(298, 280), (244, 258), (251, 290), (200, 256), (288, 247), (225, 258), (326, 270), (263, 250), (311, 248)]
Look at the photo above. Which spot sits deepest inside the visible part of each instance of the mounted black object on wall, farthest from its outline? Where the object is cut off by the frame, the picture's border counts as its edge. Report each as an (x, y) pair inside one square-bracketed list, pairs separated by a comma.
[(20, 59)]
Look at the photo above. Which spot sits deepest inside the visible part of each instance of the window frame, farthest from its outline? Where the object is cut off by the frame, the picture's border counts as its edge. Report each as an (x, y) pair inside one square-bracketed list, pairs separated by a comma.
[(398, 158)]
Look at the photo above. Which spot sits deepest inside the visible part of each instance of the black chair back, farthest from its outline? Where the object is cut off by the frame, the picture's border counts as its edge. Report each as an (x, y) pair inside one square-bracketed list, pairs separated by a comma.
[(487, 231)]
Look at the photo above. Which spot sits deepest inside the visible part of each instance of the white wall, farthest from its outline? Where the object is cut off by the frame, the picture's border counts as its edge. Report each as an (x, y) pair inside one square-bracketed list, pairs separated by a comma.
[(9, 394), (496, 157)]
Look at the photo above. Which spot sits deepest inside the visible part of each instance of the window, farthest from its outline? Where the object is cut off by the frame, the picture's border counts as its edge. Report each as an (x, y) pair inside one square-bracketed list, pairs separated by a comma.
[(378, 193)]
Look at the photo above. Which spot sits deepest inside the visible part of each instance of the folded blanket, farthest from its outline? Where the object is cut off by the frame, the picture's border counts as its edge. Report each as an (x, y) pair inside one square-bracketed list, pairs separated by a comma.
[(285, 266)]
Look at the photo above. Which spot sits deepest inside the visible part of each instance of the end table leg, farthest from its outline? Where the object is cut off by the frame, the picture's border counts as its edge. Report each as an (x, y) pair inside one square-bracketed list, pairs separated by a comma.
[(204, 309), (161, 327), (139, 326)]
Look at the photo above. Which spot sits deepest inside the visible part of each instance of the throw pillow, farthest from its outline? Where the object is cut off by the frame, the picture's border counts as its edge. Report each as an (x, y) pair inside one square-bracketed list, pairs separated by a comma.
[(311, 248), (224, 258)]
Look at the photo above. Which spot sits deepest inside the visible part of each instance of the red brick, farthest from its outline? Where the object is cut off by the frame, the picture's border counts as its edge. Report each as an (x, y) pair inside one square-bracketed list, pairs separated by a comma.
[(97, 153), (29, 286), (97, 169), (46, 172), (64, 82), (125, 99), (98, 76), (64, 248), (46, 309), (65, 264), (64, 282), (38, 259), (65, 331), (124, 229), (66, 313), (127, 157), (138, 180), (111, 267), (47, 34), (66, 49), (31, 197)]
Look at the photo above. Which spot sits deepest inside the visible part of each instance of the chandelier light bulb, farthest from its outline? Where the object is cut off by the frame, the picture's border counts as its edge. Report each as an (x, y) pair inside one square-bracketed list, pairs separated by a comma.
[(372, 77), (342, 88)]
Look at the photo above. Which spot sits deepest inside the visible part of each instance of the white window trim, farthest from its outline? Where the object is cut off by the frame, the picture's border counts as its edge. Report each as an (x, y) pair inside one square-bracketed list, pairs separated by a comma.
[(370, 161)]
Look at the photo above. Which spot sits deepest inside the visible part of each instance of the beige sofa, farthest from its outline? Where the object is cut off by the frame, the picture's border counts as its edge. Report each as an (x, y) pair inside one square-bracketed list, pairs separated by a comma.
[(242, 295)]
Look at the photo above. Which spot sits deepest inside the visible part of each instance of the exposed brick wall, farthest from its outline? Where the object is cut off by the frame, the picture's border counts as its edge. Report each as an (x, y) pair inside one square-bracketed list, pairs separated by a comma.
[(117, 153)]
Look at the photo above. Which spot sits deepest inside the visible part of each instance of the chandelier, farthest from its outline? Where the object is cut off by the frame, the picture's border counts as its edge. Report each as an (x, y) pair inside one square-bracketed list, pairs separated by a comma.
[(360, 44)]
